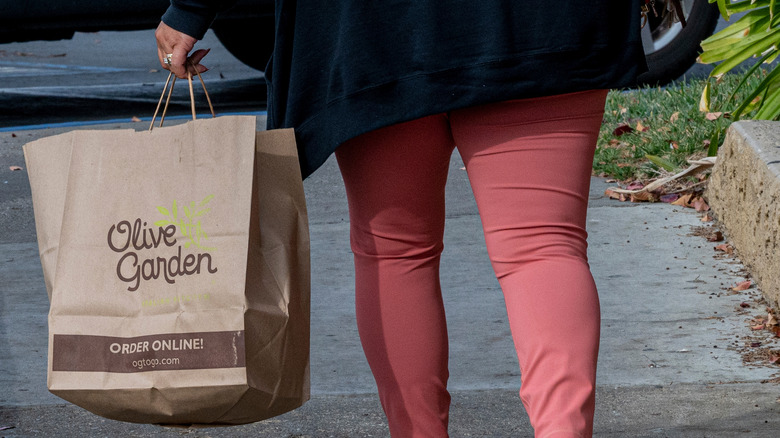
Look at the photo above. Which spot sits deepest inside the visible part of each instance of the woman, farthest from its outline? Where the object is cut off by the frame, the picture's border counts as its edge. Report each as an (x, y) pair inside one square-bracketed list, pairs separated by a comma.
[(392, 88)]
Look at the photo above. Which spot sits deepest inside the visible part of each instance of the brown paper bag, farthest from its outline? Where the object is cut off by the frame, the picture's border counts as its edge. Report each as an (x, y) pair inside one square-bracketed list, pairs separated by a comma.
[(177, 263)]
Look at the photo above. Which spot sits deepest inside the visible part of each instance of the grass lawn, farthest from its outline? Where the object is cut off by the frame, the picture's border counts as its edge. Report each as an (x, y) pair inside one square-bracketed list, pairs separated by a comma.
[(663, 122)]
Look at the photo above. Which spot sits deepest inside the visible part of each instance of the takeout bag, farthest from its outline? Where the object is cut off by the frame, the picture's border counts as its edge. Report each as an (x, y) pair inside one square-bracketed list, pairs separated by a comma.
[(177, 267)]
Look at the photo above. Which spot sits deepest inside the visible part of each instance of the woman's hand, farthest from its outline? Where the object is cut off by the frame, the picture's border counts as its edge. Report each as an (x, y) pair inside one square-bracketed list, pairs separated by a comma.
[(178, 44)]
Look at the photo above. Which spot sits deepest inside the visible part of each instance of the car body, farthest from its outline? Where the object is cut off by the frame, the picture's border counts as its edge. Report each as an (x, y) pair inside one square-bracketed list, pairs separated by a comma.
[(246, 30), (32, 20)]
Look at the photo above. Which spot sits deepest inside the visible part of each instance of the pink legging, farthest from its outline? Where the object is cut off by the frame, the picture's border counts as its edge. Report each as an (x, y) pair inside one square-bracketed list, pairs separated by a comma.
[(529, 164)]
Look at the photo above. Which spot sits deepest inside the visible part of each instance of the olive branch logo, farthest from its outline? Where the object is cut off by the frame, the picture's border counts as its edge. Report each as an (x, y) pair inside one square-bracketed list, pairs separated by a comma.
[(187, 224)]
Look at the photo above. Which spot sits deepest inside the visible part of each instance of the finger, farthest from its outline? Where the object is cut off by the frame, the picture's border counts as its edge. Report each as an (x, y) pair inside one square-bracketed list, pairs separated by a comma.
[(161, 54), (198, 55), (193, 63), (178, 61)]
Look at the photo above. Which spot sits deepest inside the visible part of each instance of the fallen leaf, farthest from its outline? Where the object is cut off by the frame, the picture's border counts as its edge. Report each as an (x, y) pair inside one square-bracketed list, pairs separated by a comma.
[(700, 204), (741, 286), (725, 247), (674, 145), (15, 168), (622, 129), (758, 327), (713, 116), (774, 359), (771, 321), (715, 237), (614, 195), (636, 185), (683, 201), (643, 197), (670, 198), (706, 218), (674, 117), (640, 127), (13, 135), (744, 305), (135, 119)]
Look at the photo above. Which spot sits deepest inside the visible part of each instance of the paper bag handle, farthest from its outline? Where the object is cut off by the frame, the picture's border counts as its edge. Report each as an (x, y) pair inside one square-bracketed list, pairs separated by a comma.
[(170, 91)]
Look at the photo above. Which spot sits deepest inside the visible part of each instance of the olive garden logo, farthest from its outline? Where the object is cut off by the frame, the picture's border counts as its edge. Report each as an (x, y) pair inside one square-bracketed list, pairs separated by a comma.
[(126, 238)]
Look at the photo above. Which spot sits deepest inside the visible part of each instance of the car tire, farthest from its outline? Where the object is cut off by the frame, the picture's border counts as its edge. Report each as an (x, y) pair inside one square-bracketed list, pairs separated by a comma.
[(674, 58), (251, 41)]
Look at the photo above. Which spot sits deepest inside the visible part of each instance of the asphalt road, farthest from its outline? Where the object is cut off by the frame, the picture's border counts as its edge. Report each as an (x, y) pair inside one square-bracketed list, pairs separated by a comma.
[(112, 75)]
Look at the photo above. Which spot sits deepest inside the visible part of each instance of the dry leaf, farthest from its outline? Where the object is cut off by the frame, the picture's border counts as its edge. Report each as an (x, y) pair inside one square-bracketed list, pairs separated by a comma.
[(640, 127), (706, 218), (674, 117), (683, 201), (771, 321), (700, 204), (615, 195), (674, 145), (725, 247), (715, 237), (14, 168), (135, 119), (713, 116), (636, 185), (670, 198), (643, 197), (758, 327), (741, 286), (622, 129)]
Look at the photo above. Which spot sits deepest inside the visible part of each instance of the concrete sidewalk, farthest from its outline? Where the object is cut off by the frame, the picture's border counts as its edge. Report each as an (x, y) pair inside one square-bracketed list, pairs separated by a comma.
[(672, 333)]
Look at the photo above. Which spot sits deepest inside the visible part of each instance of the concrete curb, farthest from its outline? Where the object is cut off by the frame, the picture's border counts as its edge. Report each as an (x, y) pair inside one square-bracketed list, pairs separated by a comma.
[(744, 191)]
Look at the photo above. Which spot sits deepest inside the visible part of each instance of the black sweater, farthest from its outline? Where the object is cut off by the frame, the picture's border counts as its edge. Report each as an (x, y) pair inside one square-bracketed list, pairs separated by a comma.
[(345, 67)]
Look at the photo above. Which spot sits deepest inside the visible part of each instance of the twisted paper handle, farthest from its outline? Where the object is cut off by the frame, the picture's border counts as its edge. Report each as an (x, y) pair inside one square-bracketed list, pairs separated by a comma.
[(170, 91)]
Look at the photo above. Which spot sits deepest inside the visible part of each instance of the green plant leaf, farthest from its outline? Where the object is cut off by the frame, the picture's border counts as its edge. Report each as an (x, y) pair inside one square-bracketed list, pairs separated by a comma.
[(712, 151), (746, 76), (770, 107), (662, 163), (706, 97), (164, 211), (745, 5), (760, 89), (746, 51), (722, 7)]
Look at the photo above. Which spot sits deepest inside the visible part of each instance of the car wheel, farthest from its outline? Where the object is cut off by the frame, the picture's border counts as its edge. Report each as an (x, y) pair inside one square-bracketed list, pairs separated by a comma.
[(251, 41), (670, 48)]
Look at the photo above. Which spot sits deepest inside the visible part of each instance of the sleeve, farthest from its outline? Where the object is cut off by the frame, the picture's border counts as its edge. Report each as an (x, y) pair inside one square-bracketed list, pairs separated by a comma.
[(194, 17)]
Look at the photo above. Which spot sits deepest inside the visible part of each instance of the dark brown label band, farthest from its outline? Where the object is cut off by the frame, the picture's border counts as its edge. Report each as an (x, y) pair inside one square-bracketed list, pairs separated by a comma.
[(170, 351)]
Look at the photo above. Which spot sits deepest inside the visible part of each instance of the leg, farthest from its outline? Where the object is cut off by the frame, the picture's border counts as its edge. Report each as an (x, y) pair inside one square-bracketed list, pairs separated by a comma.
[(529, 163), (395, 180)]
